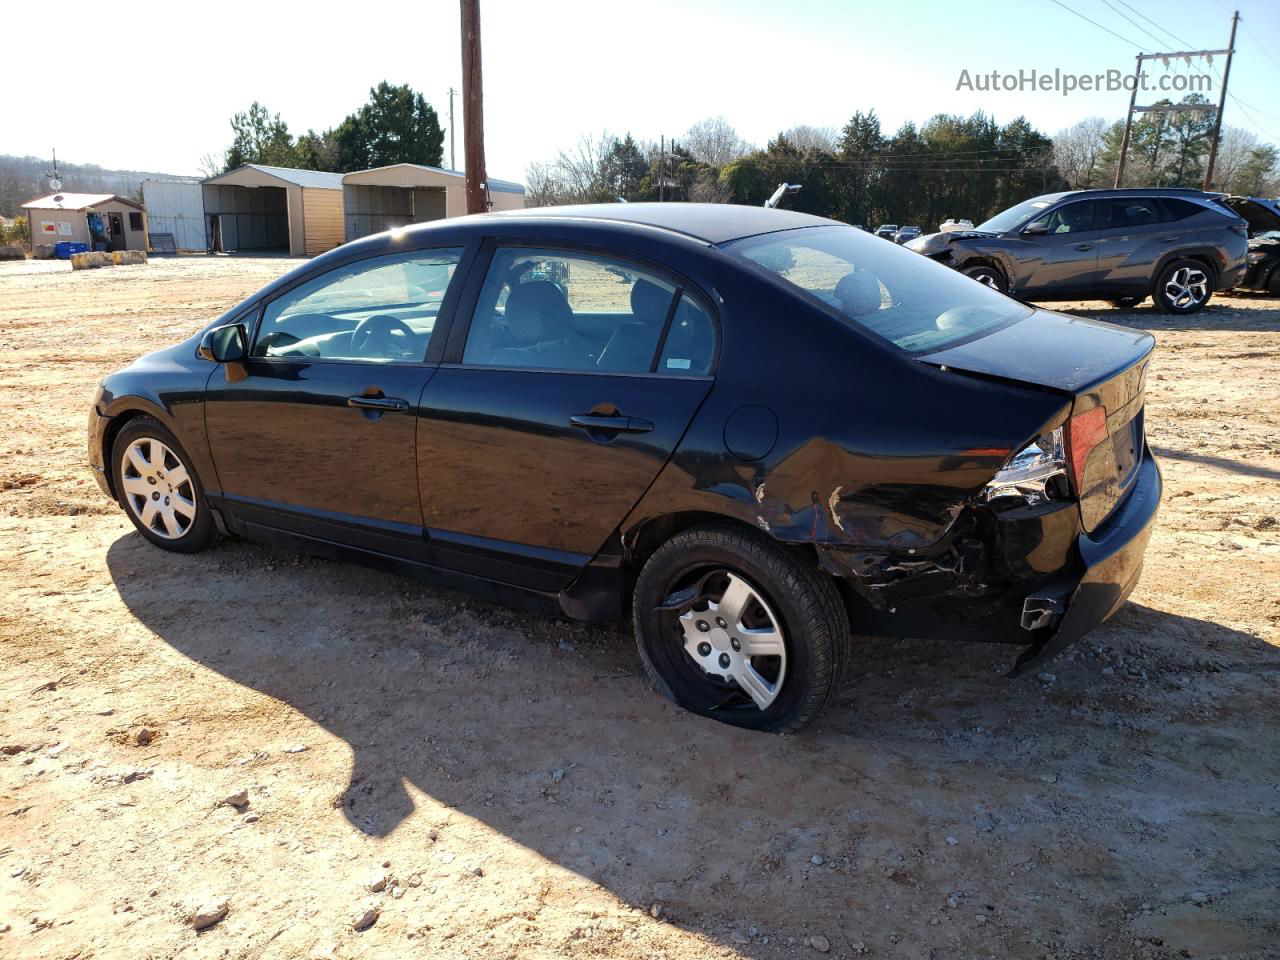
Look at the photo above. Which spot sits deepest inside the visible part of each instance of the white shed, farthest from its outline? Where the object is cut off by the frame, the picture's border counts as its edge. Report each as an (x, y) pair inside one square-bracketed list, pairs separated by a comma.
[(176, 207)]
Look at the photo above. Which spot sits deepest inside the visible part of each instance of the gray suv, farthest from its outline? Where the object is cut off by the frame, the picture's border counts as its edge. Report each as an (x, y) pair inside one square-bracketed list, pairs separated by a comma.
[(1175, 246)]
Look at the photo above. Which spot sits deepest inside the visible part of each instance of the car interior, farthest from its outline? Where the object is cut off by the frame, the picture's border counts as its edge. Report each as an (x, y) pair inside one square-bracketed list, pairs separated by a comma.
[(585, 313), (375, 312)]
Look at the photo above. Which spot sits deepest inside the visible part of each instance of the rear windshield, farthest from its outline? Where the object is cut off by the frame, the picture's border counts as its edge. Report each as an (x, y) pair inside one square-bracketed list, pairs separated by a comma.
[(908, 299)]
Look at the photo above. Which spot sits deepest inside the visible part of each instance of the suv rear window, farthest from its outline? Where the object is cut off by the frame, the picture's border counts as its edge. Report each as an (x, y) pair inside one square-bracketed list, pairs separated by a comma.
[(911, 301)]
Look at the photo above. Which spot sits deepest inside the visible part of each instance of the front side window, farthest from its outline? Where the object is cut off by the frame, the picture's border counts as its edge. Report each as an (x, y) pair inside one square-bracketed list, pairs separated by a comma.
[(1069, 218), (555, 310), (379, 310), (907, 299)]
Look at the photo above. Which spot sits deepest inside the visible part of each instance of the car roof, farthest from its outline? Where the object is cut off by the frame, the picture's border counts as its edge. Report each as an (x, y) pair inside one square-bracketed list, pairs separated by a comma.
[(711, 222)]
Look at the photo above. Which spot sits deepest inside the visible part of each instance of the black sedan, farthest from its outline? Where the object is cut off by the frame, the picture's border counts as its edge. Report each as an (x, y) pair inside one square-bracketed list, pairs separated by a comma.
[(748, 430)]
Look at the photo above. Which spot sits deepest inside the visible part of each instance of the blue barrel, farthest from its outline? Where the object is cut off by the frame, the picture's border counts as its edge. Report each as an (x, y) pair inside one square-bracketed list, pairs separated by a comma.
[(63, 249)]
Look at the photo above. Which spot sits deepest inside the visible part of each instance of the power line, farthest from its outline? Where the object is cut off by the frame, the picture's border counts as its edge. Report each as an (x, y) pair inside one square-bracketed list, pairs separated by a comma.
[(1169, 33), (1096, 24), (1135, 23)]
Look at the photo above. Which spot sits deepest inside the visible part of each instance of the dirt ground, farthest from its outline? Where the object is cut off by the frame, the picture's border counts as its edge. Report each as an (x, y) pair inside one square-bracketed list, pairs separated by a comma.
[(511, 787)]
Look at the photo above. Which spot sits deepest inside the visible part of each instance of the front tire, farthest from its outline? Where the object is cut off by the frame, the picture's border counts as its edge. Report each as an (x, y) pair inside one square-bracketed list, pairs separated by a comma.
[(1126, 303), (1183, 287), (731, 626), (988, 276), (159, 489)]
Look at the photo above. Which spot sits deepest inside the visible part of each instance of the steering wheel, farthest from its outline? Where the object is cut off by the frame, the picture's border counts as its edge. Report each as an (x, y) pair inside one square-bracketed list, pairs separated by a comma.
[(373, 336)]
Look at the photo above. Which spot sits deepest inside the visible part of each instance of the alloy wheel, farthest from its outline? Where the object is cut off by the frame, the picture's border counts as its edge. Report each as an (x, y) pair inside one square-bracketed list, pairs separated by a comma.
[(157, 487), (732, 639), (1186, 287)]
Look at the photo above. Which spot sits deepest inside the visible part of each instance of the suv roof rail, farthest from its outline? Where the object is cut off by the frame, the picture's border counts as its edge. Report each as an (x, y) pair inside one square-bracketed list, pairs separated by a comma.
[(1144, 191)]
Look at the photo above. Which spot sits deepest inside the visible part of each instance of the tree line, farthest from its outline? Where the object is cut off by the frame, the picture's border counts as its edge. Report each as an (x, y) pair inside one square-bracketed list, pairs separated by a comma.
[(950, 166), (395, 125)]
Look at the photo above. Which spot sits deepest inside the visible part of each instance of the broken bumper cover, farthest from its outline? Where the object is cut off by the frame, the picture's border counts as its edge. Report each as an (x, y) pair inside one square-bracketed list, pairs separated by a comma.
[(1112, 557)]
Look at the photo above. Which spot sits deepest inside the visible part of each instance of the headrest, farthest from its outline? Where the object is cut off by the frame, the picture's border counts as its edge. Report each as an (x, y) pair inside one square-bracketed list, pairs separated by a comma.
[(649, 302), (858, 293), (537, 311)]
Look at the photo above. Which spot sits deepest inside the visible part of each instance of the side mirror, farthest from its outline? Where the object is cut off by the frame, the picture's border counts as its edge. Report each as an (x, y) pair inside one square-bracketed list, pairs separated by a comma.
[(1037, 227), (228, 344)]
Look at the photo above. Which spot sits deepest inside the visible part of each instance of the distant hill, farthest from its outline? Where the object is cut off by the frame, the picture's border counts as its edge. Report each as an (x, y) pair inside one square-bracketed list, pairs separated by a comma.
[(24, 178)]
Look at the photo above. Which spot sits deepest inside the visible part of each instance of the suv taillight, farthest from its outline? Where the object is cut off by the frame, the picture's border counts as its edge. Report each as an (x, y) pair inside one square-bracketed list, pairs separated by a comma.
[(1240, 228)]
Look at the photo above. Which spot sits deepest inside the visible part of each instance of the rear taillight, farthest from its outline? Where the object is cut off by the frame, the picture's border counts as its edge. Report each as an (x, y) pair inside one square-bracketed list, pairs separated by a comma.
[(1240, 228), (1084, 432)]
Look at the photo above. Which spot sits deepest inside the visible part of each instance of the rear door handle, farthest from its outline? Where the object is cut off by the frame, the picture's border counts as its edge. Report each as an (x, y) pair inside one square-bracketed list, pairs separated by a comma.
[(618, 424), (1168, 239), (378, 403), (1084, 246)]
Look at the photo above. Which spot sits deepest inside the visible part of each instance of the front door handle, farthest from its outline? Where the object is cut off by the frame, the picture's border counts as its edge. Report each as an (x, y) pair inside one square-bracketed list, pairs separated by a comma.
[(1084, 246), (378, 403), (616, 424), (1168, 239)]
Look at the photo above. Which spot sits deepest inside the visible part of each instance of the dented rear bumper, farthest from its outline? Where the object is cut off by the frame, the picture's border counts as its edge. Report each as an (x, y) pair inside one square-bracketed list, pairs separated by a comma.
[(1029, 576)]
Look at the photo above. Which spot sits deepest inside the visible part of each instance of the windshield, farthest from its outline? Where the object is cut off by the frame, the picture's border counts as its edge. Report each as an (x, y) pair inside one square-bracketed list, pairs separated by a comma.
[(1008, 219), (909, 300)]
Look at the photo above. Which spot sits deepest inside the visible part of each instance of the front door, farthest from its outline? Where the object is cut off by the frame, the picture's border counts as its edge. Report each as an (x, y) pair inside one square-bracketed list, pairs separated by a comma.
[(314, 433), (1064, 258), (578, 378), (116, 226)]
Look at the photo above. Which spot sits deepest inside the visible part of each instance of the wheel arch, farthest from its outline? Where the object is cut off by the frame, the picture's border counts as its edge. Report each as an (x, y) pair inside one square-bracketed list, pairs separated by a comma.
[(117, 420), (1202, 256)]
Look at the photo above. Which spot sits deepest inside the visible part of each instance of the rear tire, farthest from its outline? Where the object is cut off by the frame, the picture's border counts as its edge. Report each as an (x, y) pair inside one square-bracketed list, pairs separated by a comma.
[(989, 276), (1126, 303), (159, 489), (1183, 287), (700, 574)]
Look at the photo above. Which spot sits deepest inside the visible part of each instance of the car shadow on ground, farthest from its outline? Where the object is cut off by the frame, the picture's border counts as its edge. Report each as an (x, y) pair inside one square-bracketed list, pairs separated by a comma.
[(1220, 314), (930, 775)]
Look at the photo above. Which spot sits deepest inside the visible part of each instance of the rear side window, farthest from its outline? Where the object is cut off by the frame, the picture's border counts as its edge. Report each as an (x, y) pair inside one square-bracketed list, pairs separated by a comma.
[(1124, 212), (907, 299), (546, 309), (1176, 209)]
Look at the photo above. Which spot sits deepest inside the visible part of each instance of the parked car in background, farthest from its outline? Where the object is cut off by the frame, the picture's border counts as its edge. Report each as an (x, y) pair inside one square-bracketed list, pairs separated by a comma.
[(952, 225), (1175, 246), (1263, 259), (649, 444), (886, 230), (906, 233)]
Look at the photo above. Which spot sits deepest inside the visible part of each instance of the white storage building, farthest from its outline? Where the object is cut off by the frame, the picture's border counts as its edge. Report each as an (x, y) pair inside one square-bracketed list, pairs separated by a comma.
[(176, 207)]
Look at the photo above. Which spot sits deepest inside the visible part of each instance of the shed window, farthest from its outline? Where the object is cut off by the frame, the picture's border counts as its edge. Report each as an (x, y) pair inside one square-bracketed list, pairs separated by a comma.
[(135, 221)]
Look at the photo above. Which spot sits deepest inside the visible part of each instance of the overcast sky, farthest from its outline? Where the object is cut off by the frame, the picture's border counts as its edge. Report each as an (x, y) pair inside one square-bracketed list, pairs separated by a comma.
[(151, 86)]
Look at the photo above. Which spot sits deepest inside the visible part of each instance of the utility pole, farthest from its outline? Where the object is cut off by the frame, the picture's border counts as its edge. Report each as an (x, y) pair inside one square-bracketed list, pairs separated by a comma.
[(1128, 123), (662, 166), (1222, 102), (473, 108), (1172, 107), (453, 163)]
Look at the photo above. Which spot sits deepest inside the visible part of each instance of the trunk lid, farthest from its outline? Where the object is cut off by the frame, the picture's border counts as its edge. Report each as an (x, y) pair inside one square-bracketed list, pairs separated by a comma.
[(1098, 365)]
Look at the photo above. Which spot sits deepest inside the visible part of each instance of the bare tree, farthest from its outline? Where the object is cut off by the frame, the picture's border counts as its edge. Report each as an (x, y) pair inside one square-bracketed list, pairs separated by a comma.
[(809, 139), (210, 166), (708, 188), (574, 176), (1234, 153), (714, 142), (1078, 151)]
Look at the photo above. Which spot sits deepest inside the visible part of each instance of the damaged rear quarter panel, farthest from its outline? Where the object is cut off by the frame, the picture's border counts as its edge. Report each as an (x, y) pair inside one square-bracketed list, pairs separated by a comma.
[(876, 451)]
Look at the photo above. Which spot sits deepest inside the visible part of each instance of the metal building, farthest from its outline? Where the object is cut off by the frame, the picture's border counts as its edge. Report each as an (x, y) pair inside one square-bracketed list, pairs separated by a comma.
[(176, 207), (259, 208), (394, 196)]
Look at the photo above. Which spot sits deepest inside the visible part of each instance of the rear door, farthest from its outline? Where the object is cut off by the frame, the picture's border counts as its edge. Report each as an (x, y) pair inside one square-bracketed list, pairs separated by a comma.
[(1063, 260), (1135, 235), (556, 407), (315, 432)]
